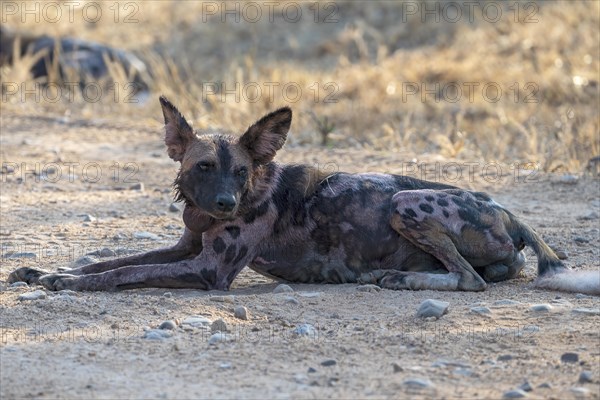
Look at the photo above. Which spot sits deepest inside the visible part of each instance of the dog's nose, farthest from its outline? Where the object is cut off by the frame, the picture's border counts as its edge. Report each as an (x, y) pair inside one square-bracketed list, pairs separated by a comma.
[(226, 202)]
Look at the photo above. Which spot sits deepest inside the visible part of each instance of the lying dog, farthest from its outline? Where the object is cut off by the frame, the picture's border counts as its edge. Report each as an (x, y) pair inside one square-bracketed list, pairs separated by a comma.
[(298, 224)]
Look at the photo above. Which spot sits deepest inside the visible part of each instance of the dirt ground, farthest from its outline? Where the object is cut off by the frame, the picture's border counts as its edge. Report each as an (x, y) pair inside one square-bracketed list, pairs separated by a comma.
[(71, 188)]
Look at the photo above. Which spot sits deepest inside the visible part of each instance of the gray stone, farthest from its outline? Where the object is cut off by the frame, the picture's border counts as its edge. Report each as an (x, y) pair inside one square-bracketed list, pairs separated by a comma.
[(432, 308), (168, 295), (580, 391), (514, 394), (223, 299), (540, 308), (328, 363), (89, 218), (420, 383), (586, 311), (173, 207), (283, 288), (397, 367), (481, 310), (305, 330), (146, 235), (569, 358), (35, 295), (567, 179), (589, 217), (157, 334), (291, 300), (85, 260), (137, 186), (526, 387), (25, 254), (240, 312), (170, 325), (19, 284), (218, 337), (370, 288), (309, 294), (506, 302), (505, 357), (196, 321), (106, 252), (586, 377), (561, 254), (218, 326)]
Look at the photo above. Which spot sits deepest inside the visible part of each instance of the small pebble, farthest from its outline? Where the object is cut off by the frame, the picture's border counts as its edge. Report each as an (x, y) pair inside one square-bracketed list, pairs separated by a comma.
[(418, 383), (240, 312), (35, 295), (581, 391), (580, 239), (85, 260), (540, 308), (218, 326), (291, 300), (526, 387), (146, 235), (561, 254), (218, 337), (173, 207), (432, 308), (25, 254), (167, 295), (544, 385), (514, 394), (309, 294), (19, 284), (397, 368), (506, 302), (137, 186), (157, 334), (588, 217), (328, 363), (170, 325), (196, 321), (505, 357), (283, 288), (586, 311), (481, 310), (370, 288), (305, 330), (223, 299), (106, 252), (569, 357), (89, 218), (311, 370), (586, 377)]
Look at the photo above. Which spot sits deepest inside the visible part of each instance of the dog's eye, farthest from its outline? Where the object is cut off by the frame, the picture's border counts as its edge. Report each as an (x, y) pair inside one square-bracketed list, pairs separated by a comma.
[(242, 172), (205, 166)]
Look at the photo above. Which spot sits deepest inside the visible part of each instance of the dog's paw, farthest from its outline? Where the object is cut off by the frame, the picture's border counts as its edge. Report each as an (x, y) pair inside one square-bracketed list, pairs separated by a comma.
[(25, 274), (58, 282)]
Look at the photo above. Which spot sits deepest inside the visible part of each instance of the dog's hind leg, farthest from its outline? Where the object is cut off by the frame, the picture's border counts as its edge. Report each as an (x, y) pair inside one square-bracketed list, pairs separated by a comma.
[(402, 280)]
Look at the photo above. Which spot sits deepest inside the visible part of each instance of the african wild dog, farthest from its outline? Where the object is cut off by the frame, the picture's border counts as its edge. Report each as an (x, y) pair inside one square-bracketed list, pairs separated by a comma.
[(298, 224)]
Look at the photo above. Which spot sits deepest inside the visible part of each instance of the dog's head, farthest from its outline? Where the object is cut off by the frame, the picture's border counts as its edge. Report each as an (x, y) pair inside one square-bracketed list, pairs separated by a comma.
[(217, 170)]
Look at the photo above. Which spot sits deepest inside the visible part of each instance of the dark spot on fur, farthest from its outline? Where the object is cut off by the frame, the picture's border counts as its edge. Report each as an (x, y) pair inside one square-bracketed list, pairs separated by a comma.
[(219, 245), (234, 231), (224, 154), (410, 212), (426, 208), (254, 213), (429, 198), (442, 203), (446, 214), (241, 254), (230, 254), (231, 275)]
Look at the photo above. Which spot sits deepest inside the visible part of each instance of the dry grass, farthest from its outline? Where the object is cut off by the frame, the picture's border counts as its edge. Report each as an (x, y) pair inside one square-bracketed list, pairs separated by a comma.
[(365, 61)]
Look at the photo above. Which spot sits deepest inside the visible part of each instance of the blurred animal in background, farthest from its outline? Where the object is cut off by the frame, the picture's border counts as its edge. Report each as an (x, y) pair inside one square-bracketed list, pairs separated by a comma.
[(70, 59)]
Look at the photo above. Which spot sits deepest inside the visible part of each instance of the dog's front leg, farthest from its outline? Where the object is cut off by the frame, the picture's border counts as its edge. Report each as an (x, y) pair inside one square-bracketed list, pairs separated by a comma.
[(188, 246), (221, 259), (190, 274)]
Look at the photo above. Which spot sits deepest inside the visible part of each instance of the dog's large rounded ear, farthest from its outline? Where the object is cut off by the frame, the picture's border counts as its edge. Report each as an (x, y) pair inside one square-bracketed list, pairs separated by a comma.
[(267, 135), (179, 134)]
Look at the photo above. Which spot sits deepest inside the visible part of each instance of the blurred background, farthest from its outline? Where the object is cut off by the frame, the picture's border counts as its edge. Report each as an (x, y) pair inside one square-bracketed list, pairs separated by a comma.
[(488, 80)]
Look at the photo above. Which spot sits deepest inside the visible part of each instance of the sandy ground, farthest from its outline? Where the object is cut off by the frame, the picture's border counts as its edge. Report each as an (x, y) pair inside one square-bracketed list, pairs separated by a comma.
[(364, 344)]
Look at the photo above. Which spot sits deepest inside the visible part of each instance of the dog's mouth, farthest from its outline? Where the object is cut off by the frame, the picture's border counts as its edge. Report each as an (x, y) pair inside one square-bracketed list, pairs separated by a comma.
[(227, 216)]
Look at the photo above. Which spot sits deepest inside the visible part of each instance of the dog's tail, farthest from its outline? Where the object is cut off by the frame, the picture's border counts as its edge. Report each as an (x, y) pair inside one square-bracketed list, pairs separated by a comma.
[(553, 274)]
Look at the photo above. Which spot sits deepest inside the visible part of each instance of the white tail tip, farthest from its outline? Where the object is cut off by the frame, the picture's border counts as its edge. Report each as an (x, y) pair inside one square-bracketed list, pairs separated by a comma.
[(587, 282)]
